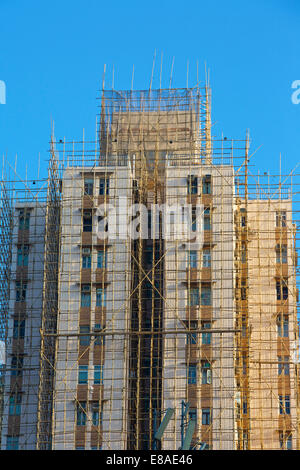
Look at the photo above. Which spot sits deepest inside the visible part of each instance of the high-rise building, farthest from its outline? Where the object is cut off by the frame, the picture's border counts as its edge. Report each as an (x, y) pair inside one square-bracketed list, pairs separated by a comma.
[(154, 275)]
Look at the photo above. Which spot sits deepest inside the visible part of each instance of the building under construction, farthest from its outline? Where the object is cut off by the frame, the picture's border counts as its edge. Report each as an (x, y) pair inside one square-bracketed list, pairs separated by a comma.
[(152, 275)]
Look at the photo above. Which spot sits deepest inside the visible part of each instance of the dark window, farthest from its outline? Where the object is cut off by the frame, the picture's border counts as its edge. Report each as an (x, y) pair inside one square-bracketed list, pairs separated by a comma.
[(206, 184), (99, 340), (205, 294), (19, 329), (207, 219), (206, 258), (101, 259), (283, 365), (193, 414), (282, 289), (104, 186), (87, 220), (191, 338), (21, 289), (83, 372), (17, 365), (24, 219), (81, 413), (15, 404), (22, 257), (192, 184), (192, 374), (206, 337), (193, 298), (84, 340), (12, 443), (243, 289), (192, 259), (194, 219), (98, 375), (85, 295), (284, 404), (206, 416), (100, 297), (89, 187), (86, 258), (96, 415)]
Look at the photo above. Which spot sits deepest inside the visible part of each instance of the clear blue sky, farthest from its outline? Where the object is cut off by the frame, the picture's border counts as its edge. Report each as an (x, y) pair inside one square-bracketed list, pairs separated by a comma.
[(52, 55)]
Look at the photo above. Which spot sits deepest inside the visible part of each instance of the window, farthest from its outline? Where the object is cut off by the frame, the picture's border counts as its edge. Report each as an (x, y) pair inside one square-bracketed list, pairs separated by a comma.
[(283, 326), (245, 406), (87, 220), (284, 404), (192, 374), (192, 185), (15, 404), (89, 187), (193, 414), (101, 259), (194, 219), (19, 329), (206, 258), (103, 186), (96, 415), (22, 257), (281, 254), (285, 440), (282, 289), (21, 288), (84, 339), (206, 184), (206, 416), (207, 219), (83, 372), (244, 326), (205, 372), (281, 219), (192, 259), (243, 219), (100, 297), (206, 337), (86, 258), (85, 295), (81, 413), (243, 252), (16, 366), (24, 218), (193, 296), (205, 295), (191, 338), (12, 443), (99, 340), (98, 375), (283, 365), (243, 289)]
